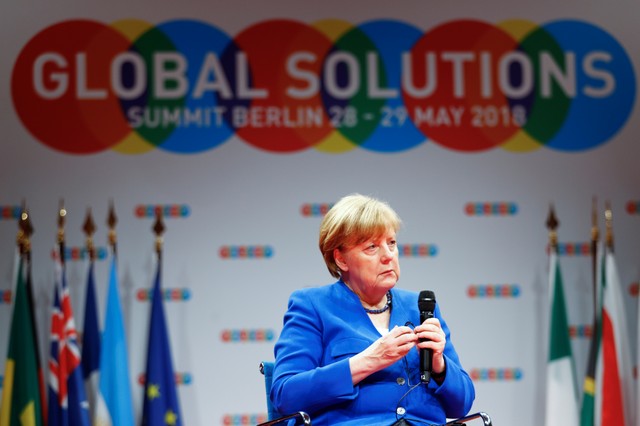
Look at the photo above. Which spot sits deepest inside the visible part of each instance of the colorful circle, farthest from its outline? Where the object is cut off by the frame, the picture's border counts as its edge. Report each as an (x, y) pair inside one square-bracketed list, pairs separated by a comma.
[(283, 86)]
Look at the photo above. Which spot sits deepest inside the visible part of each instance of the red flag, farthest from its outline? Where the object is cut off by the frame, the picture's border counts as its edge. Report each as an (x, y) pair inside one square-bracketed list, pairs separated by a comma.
[(614, 398)]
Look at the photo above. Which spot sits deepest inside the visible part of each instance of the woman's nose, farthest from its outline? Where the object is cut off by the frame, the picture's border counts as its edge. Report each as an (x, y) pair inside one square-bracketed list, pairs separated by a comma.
[(387, 253)]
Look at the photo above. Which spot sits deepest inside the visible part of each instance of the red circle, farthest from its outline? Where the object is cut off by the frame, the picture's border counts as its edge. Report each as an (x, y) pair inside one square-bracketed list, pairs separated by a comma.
[(142, 295), (469, 209), (456, 49), (472, 291), (224, 252), (61, 87), (267, 45)]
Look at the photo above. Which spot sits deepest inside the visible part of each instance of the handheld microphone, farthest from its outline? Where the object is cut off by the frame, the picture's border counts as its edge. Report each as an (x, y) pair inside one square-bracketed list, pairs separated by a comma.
[(426, 306)]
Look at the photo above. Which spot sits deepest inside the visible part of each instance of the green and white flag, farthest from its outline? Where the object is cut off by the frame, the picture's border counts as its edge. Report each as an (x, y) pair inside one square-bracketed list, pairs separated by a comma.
[(561, 394), (20, 404)]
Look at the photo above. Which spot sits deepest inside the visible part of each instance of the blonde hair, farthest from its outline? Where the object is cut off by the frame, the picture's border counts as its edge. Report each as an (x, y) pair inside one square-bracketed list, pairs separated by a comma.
[(351, 221)]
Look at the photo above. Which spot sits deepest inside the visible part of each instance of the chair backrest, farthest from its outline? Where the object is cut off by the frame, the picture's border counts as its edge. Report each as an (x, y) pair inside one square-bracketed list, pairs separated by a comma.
[(266, 368), (275, 418)]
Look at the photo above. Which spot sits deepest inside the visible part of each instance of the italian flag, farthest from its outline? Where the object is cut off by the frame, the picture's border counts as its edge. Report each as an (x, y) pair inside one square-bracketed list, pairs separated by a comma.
[(561, 395)]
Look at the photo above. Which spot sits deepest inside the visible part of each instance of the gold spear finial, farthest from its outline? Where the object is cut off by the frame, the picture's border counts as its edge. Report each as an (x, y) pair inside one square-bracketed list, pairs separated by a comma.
[(595, 236), (158, 230), (595, 231), (25, 230), (608, 217), (112, 220), (552, 226), (89, 228), (20, 234), (62, 213)]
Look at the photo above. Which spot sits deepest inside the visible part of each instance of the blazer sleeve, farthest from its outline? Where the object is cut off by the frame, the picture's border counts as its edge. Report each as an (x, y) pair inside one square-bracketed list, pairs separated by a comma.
[(457, 392), (300, 382)]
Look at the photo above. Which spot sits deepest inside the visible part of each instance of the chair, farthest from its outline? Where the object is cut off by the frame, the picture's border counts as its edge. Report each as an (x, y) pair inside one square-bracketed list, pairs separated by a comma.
[(274, 418), (266, 368), (486, 420)]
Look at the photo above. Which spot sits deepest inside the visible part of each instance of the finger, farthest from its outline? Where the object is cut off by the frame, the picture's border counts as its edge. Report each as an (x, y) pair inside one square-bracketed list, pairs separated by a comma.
[(435, 322), (401, 330), (431, 324), (431, 337)]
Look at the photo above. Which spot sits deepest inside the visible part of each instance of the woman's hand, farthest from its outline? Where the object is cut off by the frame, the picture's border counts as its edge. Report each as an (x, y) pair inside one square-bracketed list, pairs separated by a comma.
[(383, 352), (432, 331)]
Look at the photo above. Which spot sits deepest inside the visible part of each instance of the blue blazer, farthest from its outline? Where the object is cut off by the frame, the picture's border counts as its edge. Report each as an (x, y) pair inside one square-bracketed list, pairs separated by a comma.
[(323, 328)]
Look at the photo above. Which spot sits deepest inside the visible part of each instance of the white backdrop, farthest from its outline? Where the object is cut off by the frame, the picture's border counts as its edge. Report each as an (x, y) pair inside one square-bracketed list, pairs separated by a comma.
[(238, 195)]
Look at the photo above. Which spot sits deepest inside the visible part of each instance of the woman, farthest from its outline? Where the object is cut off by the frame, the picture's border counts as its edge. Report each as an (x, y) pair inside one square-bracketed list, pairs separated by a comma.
[(348, 353)]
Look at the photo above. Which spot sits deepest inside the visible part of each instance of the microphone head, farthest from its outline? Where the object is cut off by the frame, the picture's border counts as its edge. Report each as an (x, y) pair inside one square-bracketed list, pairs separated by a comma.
[(427, 301)]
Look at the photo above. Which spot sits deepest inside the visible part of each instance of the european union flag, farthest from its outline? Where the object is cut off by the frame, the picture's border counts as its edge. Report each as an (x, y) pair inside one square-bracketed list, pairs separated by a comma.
[(161, 405)]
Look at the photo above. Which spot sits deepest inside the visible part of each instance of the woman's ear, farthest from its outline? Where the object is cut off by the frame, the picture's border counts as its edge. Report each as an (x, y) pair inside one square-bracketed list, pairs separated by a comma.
[(339, 259)]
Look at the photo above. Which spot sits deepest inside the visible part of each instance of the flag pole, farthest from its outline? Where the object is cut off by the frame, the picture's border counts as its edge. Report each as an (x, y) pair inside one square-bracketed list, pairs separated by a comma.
[(617, 372), (561, 386), (552, 226), (608, 216), (595, 236), (25, 231), (158, 230), (114, 406), (23, 239), (588, 408), (62, 213), (90, 358), (89, 229), (20, 401), (67, 394), (112, 220), (160, 404)]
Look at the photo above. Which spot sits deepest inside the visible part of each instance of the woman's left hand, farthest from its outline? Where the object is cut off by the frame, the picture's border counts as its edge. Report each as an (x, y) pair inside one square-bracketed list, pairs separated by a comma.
[(432, 337)]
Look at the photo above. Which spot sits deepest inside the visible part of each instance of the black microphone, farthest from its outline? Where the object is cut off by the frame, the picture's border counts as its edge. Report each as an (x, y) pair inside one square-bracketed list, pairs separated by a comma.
[(426, 306)]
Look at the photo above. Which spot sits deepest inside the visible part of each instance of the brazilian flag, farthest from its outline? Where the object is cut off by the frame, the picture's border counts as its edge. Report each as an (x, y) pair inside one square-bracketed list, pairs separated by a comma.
[(21, 388)]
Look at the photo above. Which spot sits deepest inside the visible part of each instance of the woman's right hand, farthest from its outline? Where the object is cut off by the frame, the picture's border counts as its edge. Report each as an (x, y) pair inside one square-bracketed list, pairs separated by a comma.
[(382, 353)]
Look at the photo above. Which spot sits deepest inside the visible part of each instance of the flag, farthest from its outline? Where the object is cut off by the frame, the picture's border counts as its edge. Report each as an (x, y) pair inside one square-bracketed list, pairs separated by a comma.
[(67, 402), (91, 341), (34, 329), (614, 374), (160, 405), (21, 405), (114, 404), (561, 395), (637, 375), (587, 410)]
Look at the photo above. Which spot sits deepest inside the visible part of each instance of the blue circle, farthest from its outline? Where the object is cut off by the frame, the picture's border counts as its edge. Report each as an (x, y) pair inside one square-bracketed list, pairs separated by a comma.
[(605, 86), (392, 39), (201, 46)]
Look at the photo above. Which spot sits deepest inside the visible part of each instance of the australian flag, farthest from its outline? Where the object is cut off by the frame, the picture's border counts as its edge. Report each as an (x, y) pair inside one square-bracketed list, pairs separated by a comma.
[(67, 401), (161, 405)]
